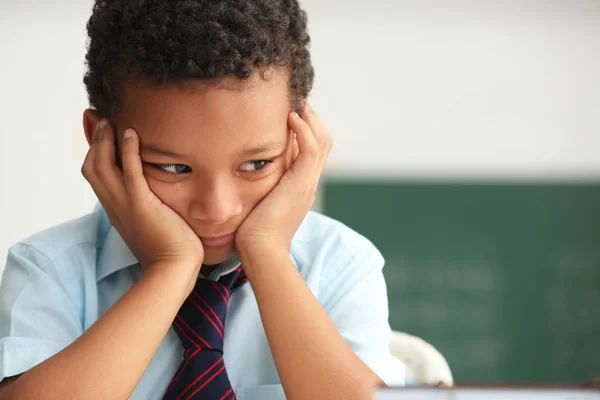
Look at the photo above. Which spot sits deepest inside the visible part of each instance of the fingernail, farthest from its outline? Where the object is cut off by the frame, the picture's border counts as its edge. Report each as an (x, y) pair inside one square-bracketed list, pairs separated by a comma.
[(128, 134), (295, 114), (102, 124)]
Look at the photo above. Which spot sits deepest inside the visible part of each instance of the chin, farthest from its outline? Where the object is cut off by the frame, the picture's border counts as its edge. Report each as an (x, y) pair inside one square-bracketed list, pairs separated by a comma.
[(218, 255)]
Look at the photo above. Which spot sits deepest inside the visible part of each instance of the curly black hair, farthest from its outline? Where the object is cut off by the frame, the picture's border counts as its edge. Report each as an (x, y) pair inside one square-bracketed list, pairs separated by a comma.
[(177, 41)]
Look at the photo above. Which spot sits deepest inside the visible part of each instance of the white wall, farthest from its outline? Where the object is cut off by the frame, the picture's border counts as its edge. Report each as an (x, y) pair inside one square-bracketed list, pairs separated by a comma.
[(463, 89), (495, 88)]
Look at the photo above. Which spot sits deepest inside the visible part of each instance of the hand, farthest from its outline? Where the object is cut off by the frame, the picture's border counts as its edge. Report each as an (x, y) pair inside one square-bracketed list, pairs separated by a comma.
[(155, 233), (274, 221)]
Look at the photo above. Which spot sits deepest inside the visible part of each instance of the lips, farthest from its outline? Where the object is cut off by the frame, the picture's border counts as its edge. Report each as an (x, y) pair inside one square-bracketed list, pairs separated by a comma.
[(217, 241)]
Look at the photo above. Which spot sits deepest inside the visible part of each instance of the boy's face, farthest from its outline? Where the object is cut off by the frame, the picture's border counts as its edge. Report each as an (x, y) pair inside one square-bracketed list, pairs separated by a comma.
[(211, 153)]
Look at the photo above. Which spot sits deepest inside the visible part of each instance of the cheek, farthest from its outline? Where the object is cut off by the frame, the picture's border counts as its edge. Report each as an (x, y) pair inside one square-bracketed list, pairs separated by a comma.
[(173, 195), (178, 196), (255, 191)]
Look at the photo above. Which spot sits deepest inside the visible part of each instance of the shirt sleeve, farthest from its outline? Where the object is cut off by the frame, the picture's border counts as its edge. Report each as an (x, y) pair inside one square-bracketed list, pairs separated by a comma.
[(37, 317), (355, 298)]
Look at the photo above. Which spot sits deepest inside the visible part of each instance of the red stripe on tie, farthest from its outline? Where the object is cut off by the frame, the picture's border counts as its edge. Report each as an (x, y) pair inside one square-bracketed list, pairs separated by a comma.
[(200, 377), (226, 394), (185, 334), (181, 369), (207, 316), (209, 309), (218, 319), (194, 332), (206, 383), (220, 292)]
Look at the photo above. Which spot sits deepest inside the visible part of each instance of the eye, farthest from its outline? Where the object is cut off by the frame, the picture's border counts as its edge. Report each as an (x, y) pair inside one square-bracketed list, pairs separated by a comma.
[(176, 169), (255, 166)]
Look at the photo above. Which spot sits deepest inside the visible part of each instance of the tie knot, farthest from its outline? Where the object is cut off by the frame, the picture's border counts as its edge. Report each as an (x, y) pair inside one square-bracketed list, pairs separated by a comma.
[(200, 322)]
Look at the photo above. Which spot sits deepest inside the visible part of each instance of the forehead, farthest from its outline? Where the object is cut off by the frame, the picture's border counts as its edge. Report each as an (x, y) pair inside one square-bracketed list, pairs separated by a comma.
[(231, 111)]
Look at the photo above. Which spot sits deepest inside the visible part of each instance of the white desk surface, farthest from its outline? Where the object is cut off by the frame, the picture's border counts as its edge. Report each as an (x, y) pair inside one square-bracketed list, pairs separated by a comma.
[(487, 393)]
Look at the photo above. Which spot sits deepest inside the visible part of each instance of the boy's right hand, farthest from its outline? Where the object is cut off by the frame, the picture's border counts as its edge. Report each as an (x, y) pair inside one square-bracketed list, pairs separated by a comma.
[(155, 234)]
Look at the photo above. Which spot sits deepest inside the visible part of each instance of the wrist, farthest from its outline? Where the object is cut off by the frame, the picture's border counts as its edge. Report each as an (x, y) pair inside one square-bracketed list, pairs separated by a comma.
[(180, 277), (263, 257)]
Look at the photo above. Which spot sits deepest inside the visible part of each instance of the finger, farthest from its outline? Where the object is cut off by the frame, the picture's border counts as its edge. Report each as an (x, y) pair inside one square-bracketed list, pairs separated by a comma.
[(135, 182), (88, 169), (98, 130), (305, 138), (106, 167), (307, 161), (314, 122), (323, 139), (295, 149), (321, 136), (291, 150), (88, 163)]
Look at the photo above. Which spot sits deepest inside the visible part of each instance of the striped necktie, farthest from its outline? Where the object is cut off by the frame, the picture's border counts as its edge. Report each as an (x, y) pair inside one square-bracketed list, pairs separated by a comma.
[(200, 325)]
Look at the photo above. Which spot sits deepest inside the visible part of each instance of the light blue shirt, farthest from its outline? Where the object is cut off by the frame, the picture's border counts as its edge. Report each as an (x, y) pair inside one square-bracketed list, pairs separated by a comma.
[(59, 282)]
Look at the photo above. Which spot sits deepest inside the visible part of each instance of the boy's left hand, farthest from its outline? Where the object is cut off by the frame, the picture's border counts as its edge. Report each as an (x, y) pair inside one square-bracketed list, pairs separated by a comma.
[(274, 221)]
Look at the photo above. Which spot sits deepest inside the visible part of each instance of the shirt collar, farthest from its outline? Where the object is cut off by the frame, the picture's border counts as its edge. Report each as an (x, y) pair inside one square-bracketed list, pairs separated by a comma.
[(224, 268), (114, 254)]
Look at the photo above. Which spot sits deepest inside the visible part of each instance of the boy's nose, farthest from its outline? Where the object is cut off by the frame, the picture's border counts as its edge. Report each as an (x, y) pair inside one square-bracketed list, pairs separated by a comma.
[(216, 205)]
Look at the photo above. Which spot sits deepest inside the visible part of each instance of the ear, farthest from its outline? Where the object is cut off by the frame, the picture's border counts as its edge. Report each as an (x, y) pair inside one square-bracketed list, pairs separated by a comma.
[(91, 118)]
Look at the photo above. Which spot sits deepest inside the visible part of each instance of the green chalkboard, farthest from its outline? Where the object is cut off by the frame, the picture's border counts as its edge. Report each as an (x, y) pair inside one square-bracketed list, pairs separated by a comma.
[(504, 279)]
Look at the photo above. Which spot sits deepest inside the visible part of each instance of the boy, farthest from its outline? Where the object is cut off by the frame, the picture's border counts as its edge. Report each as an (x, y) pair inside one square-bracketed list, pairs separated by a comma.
[(206, 174)]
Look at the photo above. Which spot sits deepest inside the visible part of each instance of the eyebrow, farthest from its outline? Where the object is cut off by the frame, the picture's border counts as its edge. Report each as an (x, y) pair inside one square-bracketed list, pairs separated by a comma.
[(250, 151), (158, 150), (263, 148)]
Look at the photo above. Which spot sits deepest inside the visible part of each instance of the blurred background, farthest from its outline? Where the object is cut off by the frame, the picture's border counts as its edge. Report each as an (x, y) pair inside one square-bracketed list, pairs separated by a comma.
[(467, 148)]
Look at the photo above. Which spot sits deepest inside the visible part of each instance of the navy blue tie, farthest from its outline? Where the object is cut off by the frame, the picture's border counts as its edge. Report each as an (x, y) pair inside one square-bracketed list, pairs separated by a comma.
[(200, 325)]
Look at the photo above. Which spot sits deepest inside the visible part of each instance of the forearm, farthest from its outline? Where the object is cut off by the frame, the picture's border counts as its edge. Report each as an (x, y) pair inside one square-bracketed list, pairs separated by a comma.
[(312, 358), (109, 359)]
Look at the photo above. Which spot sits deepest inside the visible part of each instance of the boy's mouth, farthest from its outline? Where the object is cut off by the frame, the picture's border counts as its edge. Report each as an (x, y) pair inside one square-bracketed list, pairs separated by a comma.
[(217, 241)]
